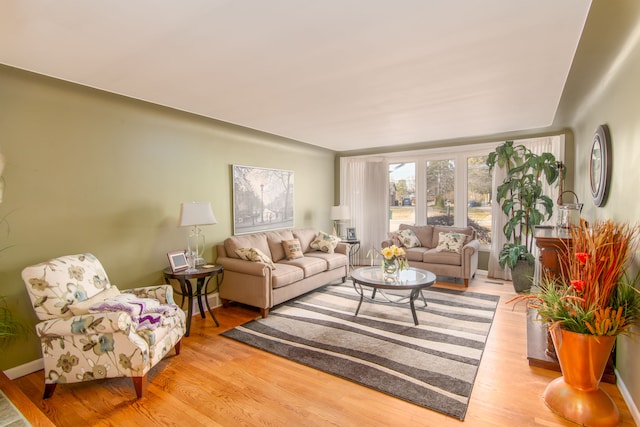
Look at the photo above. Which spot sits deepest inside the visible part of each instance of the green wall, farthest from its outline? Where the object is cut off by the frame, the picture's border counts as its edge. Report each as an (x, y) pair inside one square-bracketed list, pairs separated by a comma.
[(613, 100), (89, 171)]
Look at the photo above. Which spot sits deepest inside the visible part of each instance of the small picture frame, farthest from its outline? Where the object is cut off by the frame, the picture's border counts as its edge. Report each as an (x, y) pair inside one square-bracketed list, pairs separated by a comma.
[(178, 261), (351, 233)]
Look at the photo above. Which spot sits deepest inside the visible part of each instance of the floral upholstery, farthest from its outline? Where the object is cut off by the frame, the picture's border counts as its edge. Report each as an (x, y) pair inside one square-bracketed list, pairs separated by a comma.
[(95, 345)]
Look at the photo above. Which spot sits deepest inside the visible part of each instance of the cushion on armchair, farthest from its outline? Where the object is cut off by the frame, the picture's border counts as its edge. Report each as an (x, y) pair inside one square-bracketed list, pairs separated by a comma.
[(82, 307)]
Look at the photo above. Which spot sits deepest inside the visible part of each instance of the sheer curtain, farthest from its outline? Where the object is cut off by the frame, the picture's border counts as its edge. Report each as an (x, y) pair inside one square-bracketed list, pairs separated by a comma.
[(552, 144), (363, 187)]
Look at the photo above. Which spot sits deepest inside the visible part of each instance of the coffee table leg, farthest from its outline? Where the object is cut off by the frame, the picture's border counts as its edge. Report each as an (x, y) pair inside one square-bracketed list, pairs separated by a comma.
[(412, 298), (423, 298), (361, 292)]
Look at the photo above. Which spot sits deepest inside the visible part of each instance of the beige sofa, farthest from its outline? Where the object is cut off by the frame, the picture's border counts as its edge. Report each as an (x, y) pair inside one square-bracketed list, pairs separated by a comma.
[(259, 285), (442, 261)]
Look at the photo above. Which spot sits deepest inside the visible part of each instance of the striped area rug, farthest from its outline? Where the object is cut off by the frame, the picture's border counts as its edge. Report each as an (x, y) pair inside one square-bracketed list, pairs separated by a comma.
[(433, 365)]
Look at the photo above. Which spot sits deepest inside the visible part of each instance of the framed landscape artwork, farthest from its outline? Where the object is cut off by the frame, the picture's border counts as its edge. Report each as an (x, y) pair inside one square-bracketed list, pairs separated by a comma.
[(262, 199)]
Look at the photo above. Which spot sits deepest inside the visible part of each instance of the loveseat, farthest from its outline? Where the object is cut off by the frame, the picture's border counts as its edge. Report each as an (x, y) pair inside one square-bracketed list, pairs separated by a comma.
[(443, 250), (267, 269)]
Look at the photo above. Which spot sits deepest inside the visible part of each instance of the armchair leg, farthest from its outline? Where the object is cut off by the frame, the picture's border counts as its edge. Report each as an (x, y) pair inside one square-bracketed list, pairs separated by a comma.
[(264, 312), (466, 283), (177, 346), (48, 390), (140, 384)]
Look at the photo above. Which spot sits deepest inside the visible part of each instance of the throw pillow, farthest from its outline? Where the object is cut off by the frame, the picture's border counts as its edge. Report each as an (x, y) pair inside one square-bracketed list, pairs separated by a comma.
[(255, 255), (409, 238), (292, 249), (82, 307), (394, 236), (450, 242), (325, 242)]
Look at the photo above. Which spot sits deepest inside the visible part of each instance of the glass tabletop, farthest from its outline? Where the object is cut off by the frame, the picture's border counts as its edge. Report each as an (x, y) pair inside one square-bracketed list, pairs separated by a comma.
[(409, 278)]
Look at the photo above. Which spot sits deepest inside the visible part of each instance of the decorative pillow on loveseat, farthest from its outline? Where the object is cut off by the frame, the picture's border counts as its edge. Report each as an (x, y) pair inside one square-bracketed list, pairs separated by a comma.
[(255, 255), (451, 242), (408, 238), (325, 242)]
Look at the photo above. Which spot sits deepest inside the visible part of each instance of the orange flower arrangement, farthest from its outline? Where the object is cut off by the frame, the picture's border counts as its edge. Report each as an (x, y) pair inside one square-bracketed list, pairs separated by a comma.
[(596, 296)]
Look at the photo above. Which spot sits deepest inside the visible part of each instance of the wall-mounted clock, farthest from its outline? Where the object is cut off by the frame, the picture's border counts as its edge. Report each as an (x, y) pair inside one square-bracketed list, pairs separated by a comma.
[(600, 165)]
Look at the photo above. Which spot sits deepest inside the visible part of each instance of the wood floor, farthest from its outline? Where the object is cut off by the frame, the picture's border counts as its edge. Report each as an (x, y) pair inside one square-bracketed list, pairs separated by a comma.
[(216, 381)]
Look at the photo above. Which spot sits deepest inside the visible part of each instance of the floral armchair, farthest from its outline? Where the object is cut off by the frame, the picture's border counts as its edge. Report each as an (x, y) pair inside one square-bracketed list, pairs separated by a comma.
[(90, 330)]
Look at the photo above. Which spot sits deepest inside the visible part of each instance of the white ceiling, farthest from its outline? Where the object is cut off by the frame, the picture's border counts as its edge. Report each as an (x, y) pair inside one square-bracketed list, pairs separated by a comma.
[(340, 74)]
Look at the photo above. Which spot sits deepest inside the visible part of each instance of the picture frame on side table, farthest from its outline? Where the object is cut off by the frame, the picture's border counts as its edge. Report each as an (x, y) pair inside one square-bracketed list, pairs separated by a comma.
[(351, 233), (178, 261)]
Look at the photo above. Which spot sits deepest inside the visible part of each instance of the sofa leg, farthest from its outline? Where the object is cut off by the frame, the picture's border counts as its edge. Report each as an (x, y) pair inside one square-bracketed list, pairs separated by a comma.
[(264, 312), (225, 302), (466, 283), (48, 390), (177, 346), (140, 384)]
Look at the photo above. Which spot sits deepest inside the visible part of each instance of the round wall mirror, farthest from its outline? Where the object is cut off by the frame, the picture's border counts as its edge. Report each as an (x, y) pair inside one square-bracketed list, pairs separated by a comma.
[(600, 165)]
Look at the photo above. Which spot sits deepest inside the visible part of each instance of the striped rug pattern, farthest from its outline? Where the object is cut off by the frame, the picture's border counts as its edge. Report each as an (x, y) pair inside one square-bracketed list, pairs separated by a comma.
[(433, 365)]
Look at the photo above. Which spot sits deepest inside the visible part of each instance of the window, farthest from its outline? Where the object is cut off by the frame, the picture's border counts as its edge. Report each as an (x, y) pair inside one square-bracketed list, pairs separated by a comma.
[(441, 191), (402, 194), (479, 197), (441, 187)]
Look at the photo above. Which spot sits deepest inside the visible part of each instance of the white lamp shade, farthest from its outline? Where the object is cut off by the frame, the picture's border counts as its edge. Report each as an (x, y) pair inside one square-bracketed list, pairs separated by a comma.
[(196, 213), (340, 213)]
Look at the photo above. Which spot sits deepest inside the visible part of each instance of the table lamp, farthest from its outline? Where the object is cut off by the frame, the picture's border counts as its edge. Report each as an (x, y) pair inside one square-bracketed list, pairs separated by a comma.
[(338, 215), (195, 214)]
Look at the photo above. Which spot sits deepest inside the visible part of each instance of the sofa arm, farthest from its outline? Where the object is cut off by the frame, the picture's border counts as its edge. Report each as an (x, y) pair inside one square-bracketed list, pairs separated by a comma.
[(343, 248), (162, 293), (243, 266), (471, 248), (386, 243), (470, 258), (99, 323)]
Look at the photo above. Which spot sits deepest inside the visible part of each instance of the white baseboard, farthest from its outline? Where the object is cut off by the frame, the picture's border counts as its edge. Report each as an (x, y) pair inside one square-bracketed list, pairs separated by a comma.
[(214, 301), (624, 391), (26, 369)]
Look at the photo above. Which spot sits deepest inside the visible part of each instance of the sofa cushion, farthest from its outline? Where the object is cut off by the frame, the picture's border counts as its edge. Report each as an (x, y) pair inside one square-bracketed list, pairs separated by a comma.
[(334, 260), (258, 240), (309, 265), (292, 249), (325, 242), (274, 240), (432, 256), (285, 274), (451, 242), (306, 236), (469, 231), (255, 255), (415, 254), (423, 232), (409, 238)]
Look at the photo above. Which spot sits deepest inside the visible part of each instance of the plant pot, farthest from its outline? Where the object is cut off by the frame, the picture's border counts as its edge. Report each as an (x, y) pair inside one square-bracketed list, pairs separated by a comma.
[(522, 275), (576, 395)]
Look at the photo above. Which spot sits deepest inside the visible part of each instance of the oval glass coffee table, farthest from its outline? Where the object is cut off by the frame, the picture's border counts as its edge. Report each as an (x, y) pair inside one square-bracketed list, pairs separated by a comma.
[(412, 279)]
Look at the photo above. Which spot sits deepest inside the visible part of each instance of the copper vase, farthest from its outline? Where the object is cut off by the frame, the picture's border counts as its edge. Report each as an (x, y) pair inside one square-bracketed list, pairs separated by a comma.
[(576, 395)]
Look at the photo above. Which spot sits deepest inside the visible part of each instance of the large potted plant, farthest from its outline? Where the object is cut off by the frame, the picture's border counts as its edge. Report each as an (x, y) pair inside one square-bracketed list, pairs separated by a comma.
[(522, 199), (593, 301)]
